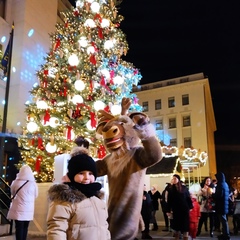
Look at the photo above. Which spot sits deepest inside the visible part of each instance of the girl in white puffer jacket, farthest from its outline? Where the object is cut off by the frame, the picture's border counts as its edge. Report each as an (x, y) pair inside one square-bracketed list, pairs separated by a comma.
[(22, 206)]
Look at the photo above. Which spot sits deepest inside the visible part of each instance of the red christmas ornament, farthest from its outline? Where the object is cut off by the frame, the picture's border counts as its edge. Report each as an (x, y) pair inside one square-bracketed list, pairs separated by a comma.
[(93, 59)]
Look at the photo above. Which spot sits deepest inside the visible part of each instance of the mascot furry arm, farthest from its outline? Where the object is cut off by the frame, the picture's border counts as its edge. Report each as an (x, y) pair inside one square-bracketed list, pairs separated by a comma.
[(133, 148)]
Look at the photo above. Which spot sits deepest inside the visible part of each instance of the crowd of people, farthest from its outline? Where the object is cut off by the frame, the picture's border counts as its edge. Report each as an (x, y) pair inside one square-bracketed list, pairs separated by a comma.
[(77, 210)]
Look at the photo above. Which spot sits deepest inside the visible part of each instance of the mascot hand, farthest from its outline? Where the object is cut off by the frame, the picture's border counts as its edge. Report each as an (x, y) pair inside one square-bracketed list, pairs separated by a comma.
[(142, 125), (140, 120), (145, 130)]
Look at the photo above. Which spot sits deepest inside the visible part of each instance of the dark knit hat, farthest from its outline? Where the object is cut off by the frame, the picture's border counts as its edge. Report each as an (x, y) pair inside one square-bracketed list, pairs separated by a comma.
[(81, 162), (177, 176)]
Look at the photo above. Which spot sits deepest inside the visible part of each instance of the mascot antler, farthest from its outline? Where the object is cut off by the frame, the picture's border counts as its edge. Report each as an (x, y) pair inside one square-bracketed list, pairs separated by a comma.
[(126, 103)]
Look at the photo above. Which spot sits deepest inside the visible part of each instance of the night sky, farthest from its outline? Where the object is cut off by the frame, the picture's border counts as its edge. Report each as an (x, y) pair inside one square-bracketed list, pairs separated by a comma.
[(169, 39)]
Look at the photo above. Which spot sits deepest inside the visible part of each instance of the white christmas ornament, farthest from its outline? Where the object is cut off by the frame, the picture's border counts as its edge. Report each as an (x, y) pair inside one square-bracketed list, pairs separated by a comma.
[(32, 127), (79, 85), (105, 23), (51, 148), (54, 122), (41, 104), (116, 109), (77, 99), (79, 4), (105, 73), (52, 72), (90, 50), (90, 23), (95, 7), (118, 80), (108, 44), (73, 60), (83, 41), (99, 105)]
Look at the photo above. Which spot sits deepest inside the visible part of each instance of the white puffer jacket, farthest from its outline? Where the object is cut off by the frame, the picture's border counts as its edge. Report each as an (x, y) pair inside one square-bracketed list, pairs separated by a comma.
[(22, 206)]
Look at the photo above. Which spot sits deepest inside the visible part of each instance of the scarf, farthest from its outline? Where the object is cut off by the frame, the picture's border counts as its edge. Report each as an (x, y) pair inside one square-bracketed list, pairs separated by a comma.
[(88, 190)]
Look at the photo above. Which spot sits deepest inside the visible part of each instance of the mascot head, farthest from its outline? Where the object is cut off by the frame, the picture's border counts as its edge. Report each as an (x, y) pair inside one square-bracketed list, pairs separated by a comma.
[(118, 132)]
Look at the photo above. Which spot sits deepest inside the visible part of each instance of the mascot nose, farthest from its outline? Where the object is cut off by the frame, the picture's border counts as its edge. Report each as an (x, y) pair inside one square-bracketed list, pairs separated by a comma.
[(110, 131)]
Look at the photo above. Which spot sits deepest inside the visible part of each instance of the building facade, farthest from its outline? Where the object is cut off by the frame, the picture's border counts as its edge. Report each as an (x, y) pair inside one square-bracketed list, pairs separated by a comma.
[(33, 22), (182, 112)]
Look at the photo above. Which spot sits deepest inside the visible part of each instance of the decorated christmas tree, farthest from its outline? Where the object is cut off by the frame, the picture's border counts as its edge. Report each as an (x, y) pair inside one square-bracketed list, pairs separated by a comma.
[(82, 73)]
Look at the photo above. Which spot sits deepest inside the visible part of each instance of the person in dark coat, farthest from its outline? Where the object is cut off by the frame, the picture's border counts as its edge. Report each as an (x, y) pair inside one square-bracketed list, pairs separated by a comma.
[(163, 202), (146, 213), (221, 200), (179, 204), (155, 196)]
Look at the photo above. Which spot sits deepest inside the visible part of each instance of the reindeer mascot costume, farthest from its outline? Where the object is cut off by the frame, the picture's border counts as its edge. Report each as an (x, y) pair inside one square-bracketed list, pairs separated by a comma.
[(133, 147)]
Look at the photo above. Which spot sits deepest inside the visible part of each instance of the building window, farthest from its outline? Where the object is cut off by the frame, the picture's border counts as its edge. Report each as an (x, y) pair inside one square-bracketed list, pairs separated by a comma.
[(172, 122), (173, 142), (185, 99), (158, 104), (186, 121), (145, 106), (171, 102), (159, 124), (187, 142)]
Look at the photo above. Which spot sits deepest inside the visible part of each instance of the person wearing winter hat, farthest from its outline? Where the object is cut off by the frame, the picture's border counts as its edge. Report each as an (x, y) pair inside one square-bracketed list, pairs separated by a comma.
[(179, 205), (24, 191), (82, 146), (76, 209)]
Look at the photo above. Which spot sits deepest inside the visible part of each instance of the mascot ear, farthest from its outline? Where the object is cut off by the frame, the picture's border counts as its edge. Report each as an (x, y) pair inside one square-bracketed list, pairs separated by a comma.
[(103, 118)]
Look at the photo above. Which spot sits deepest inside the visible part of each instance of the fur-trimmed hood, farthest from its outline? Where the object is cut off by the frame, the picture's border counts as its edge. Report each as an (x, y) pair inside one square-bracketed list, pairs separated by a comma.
[(62, 192)]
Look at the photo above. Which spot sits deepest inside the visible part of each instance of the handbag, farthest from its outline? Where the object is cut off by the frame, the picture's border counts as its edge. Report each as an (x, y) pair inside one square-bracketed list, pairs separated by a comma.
[(209, 204), (18, 190)]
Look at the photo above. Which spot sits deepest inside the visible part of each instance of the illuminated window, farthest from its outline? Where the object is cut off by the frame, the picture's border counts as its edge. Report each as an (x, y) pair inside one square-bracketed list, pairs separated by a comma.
[(186, 121), (173, 142), (158, 104), (145, 106), (159, 124), (185, 99), (187, 142), (171, 102), (172, 122)]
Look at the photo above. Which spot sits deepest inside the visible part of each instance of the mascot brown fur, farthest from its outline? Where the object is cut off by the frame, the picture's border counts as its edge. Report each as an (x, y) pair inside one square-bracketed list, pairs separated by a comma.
[(133, 147)]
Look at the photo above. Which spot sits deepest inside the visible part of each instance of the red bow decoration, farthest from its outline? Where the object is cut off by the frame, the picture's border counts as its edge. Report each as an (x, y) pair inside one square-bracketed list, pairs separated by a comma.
[(93, 120), (100, 33), (93, 59), (40, 141), (69, 129), (107, 109), (38, 163), (91, 86), (98, 16), (57, 44), (46, 117)]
